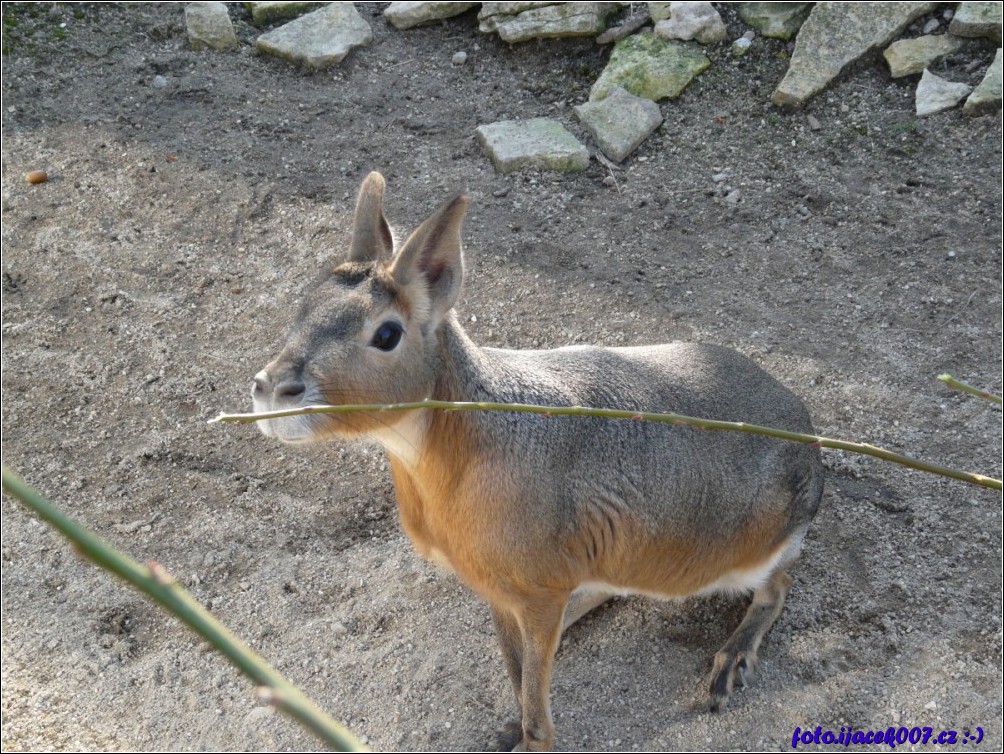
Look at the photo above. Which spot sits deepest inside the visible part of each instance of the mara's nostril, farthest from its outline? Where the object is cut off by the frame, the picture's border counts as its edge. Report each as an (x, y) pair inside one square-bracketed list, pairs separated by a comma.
[(261, 384), (292, 388)]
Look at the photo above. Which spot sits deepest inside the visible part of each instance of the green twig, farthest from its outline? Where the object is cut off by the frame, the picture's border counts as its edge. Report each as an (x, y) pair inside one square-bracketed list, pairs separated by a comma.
[(154, 581), (610, 413), (965, 387)]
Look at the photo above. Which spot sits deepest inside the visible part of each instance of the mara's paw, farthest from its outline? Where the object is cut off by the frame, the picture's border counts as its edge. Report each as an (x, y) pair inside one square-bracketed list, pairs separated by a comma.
[(731, 670), (509, 737)]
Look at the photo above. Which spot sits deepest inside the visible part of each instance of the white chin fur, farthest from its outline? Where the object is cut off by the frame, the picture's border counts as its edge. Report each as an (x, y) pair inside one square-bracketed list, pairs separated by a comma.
[(289, 429)]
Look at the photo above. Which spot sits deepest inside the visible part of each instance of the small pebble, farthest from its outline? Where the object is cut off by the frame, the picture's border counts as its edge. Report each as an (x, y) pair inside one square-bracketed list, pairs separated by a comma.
[(813, 122), (750, 35), (609, 181), (733, 197), (803, 210), (951, 255), (499, 193), (931, 26), (741, 46), (36, 176), (459, 58), (159, 82), (948, 14), (719, 177)]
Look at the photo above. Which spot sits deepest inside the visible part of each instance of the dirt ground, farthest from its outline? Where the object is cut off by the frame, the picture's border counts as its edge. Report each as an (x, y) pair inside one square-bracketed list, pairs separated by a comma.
[(159, 267)]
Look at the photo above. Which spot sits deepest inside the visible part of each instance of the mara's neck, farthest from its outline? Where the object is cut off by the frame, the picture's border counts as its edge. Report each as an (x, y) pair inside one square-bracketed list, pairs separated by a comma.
[(461, 364)]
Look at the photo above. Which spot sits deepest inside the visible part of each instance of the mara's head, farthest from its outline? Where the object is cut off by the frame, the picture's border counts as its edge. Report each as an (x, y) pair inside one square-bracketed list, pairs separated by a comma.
[(366, 331)]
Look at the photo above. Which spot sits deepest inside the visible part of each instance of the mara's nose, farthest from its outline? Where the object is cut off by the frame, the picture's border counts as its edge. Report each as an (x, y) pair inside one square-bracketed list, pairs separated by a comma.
[(289, 386)]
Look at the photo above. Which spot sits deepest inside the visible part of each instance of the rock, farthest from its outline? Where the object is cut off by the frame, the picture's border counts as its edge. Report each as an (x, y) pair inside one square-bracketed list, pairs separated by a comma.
[(209, 27), (659, 11), (813, 121), (159, 82), (650, 67), (741, 46), (620, 122), (931, 26), (733, 197), (720, 177), (540, 142), (688, 21), (545, 20), (319, 39), (987, 96), (776, 20), (836, 35), (977, 20), (459, 58), (908, 56), (407, 15), (935, 94), (263, 14)]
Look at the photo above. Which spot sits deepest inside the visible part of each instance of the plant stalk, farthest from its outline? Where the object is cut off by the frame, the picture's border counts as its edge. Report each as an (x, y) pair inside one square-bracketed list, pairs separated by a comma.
[(154, 581), (611, 413)]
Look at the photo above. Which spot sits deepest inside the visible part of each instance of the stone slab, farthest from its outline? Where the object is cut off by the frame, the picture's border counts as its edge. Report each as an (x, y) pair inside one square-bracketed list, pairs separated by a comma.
[(908, 56), (697, 21), (986, 98), (977, 20), (406, 15), (319, 39), (649, 67), (620, 122), (836, 35), (539, 142), (552, 21), (935, 94), (209, 27), (775, 20)]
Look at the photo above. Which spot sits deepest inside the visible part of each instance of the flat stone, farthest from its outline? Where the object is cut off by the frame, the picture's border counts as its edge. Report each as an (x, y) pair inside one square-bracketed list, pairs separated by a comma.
[(540, 142), (776, 20), (986, 98), (650, 67), (319, 39), (699, 21), (620, 122), (977, 20), (550, 21), (836, 35), (935, 94), (209, 27), (909, 56), (658, 11), (491, 13), (263, 14), (407, 15)]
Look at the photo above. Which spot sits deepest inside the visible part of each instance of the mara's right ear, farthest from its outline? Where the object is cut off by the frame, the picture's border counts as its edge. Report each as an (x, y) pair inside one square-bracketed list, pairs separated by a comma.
[(371, 236), (432, 259)]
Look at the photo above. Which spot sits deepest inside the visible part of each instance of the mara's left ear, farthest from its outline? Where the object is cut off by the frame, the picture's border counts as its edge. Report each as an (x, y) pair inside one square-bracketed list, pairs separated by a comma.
[(371, 237), (432, 257)]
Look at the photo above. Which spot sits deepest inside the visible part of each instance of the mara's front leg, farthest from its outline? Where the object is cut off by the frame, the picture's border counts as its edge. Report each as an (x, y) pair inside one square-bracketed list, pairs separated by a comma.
[(529, 636)]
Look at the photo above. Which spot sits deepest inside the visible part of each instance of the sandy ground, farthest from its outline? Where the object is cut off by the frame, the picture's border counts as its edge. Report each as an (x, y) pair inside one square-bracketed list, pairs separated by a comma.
[(159, 267)]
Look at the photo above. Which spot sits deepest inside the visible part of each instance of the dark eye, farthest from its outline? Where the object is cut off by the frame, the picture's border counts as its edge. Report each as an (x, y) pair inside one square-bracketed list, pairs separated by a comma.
[(387, 336)]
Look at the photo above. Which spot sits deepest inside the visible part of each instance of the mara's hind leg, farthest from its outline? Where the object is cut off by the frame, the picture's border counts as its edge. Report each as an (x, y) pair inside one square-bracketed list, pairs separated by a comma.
[(736, 662)]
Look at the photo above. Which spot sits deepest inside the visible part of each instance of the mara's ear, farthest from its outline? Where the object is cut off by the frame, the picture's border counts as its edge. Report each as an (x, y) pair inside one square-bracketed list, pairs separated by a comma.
[(432, 257), (371, 237)]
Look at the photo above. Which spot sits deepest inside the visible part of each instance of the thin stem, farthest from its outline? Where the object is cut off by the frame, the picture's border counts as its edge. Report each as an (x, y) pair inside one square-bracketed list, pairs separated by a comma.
[(965, 387), (819, 442), (154, 581)]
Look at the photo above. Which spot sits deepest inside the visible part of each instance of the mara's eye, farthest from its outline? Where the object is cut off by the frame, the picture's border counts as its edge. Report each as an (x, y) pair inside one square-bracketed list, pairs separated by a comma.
[(387, 336)]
